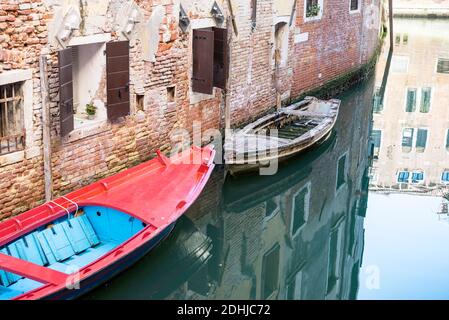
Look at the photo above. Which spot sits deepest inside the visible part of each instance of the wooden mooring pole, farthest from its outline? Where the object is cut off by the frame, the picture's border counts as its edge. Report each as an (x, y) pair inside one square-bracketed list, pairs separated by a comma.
[(46, 135)]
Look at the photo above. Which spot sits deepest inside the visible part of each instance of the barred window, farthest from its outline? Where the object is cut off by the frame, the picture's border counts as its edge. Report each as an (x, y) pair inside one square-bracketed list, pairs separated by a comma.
[(354, 5), (12, 133)]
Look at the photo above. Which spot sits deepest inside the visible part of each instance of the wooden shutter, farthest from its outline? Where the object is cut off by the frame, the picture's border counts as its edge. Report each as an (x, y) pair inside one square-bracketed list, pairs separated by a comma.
[(220, 57), (203, 61), (65, 91), (117, 79)]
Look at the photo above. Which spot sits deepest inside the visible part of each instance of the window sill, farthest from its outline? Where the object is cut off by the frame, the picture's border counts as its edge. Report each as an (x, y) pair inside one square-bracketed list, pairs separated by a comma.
[(19, 156), (312, 19), (87, 131), (355, 11)]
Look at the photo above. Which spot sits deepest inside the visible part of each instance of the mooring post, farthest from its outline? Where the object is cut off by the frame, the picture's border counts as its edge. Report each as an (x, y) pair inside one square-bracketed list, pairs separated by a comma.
[(390, 13), (46, 136)]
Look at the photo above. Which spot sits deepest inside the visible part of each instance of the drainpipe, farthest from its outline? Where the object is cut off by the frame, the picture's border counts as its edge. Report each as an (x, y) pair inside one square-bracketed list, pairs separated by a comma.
[(46, 138)]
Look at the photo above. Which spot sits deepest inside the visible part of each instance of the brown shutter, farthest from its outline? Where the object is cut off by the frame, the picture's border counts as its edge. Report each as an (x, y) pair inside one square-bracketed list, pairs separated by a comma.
[(220, 57), (65, 91), (117, 79), (203, 61)]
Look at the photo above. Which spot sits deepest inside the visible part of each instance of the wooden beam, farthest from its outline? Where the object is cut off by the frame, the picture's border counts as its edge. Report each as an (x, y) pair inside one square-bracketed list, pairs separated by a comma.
[(46, 135), (31, 270)]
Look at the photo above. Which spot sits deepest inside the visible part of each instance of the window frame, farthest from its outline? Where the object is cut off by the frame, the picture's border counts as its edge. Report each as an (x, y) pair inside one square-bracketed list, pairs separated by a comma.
[(294, 233), (30, 149), (339, 187), (430, 99), (407, 90), (438, 62), (319, 16), (359, 7), (416, 139)]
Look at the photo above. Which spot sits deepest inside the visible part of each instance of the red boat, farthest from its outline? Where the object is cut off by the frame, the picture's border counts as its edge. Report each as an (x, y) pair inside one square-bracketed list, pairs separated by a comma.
[(66, 247)]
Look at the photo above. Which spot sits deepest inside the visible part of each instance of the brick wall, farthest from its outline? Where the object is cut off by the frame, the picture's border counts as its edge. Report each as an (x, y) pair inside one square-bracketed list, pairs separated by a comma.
[(27, 29)]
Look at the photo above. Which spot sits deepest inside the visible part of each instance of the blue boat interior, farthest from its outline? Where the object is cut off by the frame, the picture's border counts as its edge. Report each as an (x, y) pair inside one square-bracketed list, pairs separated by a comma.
[(67, 244)]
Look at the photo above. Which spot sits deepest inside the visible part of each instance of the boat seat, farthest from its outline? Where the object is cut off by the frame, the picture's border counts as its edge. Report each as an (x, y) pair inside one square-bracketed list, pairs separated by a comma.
[(76, 235), (4, 281), (88, 230), (30, 250), (55, 239), (12, 251)]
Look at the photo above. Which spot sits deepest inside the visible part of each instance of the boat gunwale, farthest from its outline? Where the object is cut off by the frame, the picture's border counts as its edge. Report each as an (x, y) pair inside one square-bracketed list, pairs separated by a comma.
[(296, 145), (125, 248)]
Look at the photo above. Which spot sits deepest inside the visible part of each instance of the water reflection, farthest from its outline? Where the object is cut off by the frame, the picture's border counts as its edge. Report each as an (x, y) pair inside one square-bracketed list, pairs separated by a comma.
[(296, 235), (406, 225), (411, 125)]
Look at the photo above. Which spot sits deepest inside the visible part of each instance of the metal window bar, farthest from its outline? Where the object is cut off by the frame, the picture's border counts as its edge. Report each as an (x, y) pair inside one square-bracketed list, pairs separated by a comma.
[(12, 135)]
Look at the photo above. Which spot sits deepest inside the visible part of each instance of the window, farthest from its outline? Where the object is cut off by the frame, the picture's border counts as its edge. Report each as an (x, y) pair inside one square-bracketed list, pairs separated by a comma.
[(417, 177), (354, 5), (12, 134), (399, 64), (407, 139), (411, 100), (378, 105), (403, 176), (210, 66), (313, 9), (397, 39), (421, 140), (445, 177), (332, 272), (171, 94), (405, 39), (426, 95), (300, 209), (270, 272), (83, 70), (341, 172), (377, 137), (443, 65)]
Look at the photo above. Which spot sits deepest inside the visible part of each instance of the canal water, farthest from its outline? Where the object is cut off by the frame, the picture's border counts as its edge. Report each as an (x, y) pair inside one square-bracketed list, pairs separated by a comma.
[(360, 216)]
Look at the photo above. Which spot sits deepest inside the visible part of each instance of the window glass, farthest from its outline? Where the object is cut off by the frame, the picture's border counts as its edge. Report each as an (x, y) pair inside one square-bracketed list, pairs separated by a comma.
[(426, 95), (421, 140), (411, 100)]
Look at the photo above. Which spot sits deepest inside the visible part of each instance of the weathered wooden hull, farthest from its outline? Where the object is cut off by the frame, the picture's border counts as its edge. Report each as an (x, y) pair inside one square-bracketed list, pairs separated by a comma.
[(252, 148), (254, 167)]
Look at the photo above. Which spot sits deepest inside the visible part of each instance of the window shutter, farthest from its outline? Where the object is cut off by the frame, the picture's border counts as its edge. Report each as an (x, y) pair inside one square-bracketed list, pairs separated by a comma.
[(117, 79), (65, 91), (203, 61), (220, 57)]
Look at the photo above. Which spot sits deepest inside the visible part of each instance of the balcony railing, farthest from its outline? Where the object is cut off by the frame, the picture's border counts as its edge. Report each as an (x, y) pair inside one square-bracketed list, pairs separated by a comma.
[(12, 143)]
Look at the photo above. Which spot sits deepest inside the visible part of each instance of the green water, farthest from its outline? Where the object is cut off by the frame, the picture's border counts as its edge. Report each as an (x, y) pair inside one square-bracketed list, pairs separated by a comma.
[(295, 235), (333, 223)]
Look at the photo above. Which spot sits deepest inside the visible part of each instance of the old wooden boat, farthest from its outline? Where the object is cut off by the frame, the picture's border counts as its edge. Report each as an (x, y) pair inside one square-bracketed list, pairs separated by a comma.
[(65, 248), (280, 135)]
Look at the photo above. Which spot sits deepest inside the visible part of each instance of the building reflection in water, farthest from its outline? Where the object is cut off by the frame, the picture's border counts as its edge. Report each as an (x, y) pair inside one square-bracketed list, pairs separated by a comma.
[(296, 235), (411, 126)]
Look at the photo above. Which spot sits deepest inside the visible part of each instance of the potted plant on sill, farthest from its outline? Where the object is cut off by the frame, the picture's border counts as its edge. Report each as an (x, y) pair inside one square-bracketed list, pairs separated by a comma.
[(91, 111), (313, 11)]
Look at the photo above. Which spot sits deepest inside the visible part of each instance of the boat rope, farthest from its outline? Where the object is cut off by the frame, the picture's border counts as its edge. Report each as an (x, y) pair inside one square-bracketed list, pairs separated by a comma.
[(67, 210), (73, 202)]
